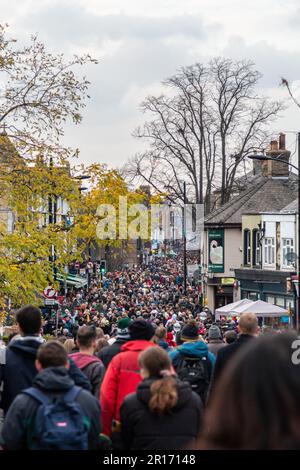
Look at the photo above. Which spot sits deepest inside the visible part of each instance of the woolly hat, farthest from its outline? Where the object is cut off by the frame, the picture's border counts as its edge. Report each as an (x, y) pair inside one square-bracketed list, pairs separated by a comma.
[(141, 329), (190, 331), (122, 328), (214, 332)]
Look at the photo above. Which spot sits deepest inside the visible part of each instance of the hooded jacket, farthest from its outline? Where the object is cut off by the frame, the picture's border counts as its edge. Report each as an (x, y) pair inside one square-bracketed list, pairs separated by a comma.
[(142, 430), (92, 367), (18, 431), (193, 349), (19, 369), (122, 378)]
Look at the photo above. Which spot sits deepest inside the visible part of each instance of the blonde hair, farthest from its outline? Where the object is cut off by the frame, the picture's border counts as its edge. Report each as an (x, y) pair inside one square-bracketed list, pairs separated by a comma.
[(69, 345)]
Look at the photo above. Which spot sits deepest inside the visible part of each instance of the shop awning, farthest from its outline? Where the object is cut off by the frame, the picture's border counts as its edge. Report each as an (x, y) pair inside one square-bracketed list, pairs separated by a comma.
[(229, 308), (72, 280), (261, 309)]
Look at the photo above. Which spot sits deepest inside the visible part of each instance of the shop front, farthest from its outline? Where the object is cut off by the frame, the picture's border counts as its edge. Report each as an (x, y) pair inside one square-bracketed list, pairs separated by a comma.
[(270, 286)]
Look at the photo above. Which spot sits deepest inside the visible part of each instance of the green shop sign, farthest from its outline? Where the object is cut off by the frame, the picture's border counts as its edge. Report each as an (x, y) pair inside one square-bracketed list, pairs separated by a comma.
[(216, 251)]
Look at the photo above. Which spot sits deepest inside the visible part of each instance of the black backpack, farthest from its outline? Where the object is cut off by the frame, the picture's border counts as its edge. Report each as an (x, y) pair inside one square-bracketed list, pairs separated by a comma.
[(195, 371)]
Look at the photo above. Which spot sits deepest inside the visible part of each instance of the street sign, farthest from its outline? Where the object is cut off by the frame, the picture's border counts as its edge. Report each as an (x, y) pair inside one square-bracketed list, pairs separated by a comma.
[(50, 292), (50, 302)]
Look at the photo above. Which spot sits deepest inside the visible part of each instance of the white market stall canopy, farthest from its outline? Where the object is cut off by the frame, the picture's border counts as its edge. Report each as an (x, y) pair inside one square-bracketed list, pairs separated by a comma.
[(261, 309), (229, 308)]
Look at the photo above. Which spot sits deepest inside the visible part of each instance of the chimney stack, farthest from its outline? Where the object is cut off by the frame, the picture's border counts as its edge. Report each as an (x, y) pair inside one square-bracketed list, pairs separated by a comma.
[(272, 169)]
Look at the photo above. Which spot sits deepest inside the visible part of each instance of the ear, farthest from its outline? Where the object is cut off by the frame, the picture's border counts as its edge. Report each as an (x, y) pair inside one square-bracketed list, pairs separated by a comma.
[(144, 373), (38, 365)]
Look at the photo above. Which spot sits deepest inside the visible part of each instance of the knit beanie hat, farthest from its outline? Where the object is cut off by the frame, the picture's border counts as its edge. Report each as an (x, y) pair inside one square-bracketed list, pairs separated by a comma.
[(190, 331), (214, 332), (141, 329), (123, 328)]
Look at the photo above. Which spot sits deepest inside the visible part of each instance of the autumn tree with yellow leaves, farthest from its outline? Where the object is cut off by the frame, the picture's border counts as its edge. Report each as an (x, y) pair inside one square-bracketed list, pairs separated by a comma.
[(40, 93)]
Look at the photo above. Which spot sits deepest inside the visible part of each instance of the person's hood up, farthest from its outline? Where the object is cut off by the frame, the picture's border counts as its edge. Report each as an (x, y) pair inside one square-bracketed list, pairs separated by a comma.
[(194, 349), (26, 345), (183, 389), (82, 360), (136, 345), (53, 379)]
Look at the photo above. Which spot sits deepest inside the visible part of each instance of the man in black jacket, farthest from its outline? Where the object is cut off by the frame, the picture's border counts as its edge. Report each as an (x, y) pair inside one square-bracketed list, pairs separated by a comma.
[(106, 354), (19, 369), (19, 428), (248, 330)]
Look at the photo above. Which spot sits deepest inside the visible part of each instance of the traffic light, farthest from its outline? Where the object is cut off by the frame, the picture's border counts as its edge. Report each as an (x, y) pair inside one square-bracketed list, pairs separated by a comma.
[(102, 268)]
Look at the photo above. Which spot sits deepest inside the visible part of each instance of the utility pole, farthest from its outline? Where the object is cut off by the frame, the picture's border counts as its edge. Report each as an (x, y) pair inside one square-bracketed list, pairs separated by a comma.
[(184, 238)]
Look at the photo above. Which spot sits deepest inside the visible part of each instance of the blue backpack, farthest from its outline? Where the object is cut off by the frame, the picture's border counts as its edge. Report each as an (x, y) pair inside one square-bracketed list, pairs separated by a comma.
[(59, 424)]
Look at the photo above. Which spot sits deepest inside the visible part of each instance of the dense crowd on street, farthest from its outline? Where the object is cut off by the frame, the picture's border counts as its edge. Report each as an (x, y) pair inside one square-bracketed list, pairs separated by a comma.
[(137, 363)]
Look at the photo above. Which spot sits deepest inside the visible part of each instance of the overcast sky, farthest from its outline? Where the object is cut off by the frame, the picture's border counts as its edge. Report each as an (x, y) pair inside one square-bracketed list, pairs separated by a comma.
[(141, 42)]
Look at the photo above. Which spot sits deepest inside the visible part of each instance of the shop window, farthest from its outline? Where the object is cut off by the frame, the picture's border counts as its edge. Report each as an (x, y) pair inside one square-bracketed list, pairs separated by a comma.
[(270, 299), (280, 301)]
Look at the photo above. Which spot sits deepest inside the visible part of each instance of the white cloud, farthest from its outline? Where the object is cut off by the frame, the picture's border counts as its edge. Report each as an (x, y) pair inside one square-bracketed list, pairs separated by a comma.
[(141, 42)]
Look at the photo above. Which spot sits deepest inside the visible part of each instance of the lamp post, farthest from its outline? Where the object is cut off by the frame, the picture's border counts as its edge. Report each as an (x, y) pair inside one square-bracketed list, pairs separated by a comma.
[(266, 158)]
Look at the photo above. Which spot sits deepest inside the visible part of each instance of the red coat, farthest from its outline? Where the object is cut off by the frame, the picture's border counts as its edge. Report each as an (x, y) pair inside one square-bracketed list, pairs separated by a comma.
[(122, 378)]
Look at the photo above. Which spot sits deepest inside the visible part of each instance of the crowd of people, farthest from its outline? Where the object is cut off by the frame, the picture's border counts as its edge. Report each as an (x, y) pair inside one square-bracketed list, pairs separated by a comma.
[(135, 363)]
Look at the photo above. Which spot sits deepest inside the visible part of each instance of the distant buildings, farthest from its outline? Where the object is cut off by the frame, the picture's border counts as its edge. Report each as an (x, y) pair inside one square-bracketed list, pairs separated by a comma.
[(248, 239)]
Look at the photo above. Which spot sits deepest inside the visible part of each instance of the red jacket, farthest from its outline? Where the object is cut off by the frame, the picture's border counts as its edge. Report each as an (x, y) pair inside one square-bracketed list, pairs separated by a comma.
[(122, 378)]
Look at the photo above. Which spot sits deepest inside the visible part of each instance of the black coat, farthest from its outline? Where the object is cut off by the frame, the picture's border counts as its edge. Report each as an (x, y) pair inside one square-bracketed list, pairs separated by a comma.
[(141, 429), (106, 354), (226, 354), (19, 370), (18, 431)]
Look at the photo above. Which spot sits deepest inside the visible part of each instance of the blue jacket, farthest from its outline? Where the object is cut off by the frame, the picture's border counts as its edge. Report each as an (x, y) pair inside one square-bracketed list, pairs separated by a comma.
[(194, 349)]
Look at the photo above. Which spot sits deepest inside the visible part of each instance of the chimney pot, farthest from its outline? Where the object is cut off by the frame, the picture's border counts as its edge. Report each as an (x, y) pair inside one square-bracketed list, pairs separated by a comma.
[(281, 141), (274, 145)]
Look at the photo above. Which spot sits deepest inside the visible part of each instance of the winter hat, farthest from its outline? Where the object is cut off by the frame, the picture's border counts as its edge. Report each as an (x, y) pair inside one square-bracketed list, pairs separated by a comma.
[(141, 329), (122, 328), (190, 331), (214, 332)]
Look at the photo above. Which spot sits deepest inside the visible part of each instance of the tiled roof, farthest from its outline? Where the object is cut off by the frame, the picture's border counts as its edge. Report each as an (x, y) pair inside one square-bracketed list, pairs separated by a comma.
[(261, 195), (292, 207)]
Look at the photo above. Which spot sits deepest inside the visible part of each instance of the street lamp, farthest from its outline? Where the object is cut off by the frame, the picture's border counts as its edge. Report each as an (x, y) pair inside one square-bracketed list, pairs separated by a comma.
[(266, 158)]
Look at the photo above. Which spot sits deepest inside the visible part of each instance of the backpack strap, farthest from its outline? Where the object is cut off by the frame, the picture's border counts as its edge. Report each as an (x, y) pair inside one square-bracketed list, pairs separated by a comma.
[(72, 394), (38, 395)]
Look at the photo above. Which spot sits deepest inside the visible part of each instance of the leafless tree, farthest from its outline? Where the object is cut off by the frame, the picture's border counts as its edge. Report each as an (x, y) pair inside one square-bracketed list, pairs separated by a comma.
[(201, 130)]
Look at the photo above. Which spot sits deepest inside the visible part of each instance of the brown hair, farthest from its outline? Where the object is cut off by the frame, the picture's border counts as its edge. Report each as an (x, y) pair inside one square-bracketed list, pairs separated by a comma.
[(160, 334), (85, 336), (163, 390), (248, 323), (52, 354), (100, 344)]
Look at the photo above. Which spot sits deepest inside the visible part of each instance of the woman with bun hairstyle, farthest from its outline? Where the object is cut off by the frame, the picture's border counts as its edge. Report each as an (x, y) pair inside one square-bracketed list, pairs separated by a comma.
[(164, 413)]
